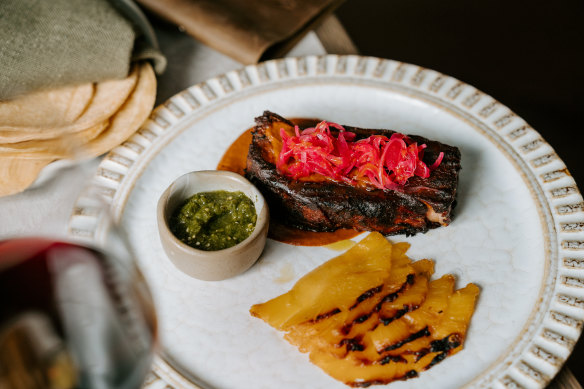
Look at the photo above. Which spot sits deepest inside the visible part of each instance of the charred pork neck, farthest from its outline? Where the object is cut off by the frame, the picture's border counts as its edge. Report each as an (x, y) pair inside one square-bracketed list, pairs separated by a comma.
[(325, 205)]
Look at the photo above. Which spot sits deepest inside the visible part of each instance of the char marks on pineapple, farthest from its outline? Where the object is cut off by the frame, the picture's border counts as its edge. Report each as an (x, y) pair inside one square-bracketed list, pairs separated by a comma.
[(325, 315), (366, 295), (414, 336)]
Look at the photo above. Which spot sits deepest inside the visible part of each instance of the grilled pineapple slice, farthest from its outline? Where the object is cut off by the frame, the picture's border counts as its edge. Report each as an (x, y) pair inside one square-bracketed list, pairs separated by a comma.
[(372, 316), (439, 340), (364, 375), (392, 306), (397, 305), (449, 333), (361, 314), (412, 324), (334, 286)]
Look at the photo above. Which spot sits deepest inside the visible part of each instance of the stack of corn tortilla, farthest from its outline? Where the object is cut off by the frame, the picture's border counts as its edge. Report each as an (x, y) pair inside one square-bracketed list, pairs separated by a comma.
[(73, 122)]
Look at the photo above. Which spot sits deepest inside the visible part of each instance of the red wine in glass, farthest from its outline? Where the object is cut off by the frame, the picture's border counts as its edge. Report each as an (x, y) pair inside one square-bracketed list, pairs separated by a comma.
[(72, 317)]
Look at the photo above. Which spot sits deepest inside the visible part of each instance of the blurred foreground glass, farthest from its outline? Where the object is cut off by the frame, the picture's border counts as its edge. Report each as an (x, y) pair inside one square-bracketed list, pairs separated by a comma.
[(74, 314)]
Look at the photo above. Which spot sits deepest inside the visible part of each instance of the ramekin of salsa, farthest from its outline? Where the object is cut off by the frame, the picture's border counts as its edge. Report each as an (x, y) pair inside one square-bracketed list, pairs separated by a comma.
[(212, 224)]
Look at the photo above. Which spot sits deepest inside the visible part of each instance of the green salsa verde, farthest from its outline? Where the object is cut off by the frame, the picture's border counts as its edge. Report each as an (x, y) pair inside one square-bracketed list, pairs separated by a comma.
[(214, 220)]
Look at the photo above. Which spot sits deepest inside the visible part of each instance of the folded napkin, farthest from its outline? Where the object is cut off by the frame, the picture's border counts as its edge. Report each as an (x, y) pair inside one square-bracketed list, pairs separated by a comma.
[(246, 30), (49, 44)]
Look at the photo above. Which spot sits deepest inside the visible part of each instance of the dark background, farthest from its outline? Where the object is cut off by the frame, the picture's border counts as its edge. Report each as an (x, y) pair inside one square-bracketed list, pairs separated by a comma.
[(527, 55)]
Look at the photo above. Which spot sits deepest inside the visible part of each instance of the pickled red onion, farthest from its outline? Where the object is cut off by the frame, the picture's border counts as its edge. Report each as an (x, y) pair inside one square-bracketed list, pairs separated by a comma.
[(386, 163)]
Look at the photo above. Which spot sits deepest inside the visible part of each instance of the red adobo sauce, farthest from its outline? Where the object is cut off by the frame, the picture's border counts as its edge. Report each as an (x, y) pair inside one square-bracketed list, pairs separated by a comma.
[(235, 159)]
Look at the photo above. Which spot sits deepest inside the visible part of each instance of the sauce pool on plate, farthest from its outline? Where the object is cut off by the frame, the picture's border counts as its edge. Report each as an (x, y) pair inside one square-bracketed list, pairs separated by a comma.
[(235, 160)]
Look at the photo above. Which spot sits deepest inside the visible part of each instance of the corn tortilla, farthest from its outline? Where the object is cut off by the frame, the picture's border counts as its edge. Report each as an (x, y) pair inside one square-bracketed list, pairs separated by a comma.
[(57, 148), (18, 173), (131, 115), (106, 100), (48, 108)]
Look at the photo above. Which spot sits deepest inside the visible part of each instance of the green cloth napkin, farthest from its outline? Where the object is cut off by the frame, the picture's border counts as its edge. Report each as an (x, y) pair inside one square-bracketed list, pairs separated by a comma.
[(52, 43)]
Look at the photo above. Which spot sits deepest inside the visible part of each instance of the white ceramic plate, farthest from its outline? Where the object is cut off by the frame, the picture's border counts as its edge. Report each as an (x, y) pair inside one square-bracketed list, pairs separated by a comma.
[(518, 230)]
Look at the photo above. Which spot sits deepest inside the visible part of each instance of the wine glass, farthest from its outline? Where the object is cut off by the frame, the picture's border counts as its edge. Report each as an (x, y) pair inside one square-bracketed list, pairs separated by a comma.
[(74, 313)]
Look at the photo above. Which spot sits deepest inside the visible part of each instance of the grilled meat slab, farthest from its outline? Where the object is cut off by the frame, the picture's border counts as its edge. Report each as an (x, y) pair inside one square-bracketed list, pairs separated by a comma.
[(319, 204)]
